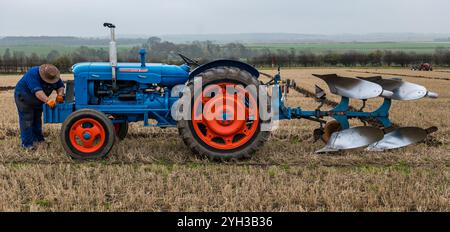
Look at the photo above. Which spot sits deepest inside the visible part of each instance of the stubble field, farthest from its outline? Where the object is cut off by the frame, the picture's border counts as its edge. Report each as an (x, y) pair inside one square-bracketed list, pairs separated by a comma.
[(152, 170)]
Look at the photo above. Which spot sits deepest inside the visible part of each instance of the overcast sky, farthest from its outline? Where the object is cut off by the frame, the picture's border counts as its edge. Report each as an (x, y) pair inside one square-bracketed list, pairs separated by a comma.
[(159, 17)]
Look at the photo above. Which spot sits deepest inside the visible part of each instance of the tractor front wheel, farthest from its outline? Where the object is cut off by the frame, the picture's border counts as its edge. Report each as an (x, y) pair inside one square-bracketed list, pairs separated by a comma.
[(87, 134)]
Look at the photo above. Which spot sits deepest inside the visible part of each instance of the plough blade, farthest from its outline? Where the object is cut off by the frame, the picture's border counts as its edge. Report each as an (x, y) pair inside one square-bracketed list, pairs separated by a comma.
[(398, 138), (402, 90), (352, 87), (352, 138)]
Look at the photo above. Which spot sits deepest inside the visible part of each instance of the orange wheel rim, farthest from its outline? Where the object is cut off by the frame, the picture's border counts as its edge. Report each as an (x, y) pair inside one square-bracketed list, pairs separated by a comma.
[(226, 121), (87, 135)]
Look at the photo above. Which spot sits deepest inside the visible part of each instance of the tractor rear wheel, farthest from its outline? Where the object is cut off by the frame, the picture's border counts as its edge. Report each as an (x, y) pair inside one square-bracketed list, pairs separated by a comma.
[(222, 132), (87, 134)]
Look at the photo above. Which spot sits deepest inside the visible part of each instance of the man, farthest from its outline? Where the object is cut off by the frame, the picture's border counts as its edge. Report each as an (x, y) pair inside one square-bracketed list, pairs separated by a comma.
[(31, 92)]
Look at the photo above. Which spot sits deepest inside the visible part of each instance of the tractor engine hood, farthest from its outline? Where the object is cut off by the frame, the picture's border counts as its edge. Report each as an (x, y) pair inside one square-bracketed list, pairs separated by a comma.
[(152, 72)]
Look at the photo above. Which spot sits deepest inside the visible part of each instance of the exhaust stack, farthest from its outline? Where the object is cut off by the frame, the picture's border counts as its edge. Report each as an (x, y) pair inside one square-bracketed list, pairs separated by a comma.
[(112, 54)]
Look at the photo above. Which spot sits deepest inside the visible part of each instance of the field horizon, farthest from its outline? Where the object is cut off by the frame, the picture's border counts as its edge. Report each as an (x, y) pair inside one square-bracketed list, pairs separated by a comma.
[(312, 47)]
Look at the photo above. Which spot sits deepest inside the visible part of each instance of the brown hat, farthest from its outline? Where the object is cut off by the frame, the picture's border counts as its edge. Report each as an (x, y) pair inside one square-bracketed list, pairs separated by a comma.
[(49, 73)]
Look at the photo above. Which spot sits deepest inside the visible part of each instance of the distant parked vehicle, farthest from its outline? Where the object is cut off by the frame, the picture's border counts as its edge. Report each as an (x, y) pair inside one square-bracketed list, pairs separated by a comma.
[(422, 67)]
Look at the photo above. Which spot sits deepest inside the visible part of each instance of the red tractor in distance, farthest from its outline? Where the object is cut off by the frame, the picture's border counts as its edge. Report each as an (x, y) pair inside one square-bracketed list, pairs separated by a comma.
[(423, 67)]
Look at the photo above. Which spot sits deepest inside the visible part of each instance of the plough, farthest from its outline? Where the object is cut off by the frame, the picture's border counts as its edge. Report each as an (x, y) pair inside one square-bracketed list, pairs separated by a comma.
[(218, 107), (337, 133)]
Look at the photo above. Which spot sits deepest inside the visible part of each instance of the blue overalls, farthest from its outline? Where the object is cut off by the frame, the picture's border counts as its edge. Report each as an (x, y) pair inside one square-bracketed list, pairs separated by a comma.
[(30, 107)]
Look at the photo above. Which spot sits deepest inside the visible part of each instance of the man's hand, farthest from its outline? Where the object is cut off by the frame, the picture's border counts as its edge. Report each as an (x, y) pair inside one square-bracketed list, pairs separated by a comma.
[(51, 103), (59, 99), (41, 96)]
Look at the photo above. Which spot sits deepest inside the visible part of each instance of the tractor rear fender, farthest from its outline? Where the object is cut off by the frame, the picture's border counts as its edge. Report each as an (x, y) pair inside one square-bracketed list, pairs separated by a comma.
[(228, 63)]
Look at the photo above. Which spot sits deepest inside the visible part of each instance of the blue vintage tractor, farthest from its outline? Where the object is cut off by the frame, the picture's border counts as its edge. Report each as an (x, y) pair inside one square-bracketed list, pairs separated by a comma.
[(104, 97)]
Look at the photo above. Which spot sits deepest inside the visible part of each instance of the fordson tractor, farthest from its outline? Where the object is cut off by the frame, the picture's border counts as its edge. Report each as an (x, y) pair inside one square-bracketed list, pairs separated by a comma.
[(105, 97)]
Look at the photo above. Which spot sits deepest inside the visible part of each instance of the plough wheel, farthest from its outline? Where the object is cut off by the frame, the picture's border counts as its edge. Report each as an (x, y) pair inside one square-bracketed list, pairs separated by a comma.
[(87, 134), (330, 128), (231, 130)]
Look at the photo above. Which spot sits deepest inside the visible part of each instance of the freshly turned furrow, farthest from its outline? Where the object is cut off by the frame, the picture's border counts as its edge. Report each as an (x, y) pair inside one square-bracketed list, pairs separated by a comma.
[(402, 75), (442, 71), (6, 88)]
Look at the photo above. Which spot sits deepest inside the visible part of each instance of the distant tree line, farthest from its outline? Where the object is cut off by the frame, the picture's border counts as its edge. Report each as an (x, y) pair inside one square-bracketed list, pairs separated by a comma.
[(167, 52), (440, 57)]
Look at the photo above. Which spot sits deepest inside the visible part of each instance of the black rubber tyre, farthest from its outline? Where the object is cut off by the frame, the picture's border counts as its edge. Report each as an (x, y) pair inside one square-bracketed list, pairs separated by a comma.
[(121, 130), (101, 121), (193, 141)]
